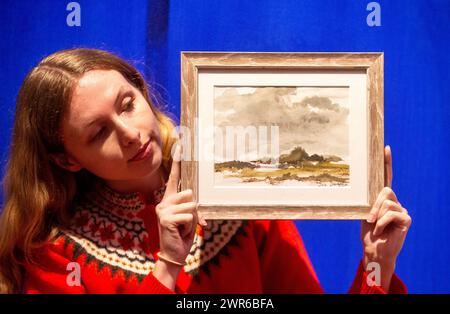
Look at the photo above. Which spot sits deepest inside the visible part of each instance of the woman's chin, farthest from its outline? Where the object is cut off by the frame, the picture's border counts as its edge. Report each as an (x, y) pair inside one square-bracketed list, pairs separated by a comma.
[(152, 165)]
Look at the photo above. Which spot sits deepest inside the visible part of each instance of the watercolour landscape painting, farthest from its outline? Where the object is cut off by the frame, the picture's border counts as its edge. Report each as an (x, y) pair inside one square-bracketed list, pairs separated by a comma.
[(290, 136), (272, 135)]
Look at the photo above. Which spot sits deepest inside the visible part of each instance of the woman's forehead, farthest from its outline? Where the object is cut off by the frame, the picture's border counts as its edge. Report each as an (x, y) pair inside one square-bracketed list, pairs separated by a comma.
[(95, 92), (99, 83)]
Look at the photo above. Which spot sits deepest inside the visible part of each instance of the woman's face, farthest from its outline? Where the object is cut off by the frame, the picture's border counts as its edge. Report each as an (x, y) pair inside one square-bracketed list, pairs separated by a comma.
[(110, 129)]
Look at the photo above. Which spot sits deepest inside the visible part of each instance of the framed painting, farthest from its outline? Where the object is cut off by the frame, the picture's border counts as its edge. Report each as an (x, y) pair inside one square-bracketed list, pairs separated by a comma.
[(282, 135)]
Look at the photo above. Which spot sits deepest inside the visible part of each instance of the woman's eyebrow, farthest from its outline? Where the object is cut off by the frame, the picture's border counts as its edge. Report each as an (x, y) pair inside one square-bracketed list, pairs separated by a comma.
[(120, 94)]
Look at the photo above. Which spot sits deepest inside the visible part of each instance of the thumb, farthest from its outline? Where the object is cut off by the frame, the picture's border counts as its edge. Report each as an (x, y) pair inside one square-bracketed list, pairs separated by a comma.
[(388, 166)]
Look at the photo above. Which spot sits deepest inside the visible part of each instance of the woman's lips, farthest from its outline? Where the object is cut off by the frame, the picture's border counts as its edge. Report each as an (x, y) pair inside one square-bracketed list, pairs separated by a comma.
[(143, 153)]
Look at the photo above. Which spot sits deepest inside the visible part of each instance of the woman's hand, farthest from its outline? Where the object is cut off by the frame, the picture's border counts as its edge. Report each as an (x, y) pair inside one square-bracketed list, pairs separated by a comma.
[(177, 222), (384, 232)]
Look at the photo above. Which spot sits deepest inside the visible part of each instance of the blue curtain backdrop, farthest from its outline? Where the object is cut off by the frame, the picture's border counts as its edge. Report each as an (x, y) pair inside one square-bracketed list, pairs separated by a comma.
[(414, 36)]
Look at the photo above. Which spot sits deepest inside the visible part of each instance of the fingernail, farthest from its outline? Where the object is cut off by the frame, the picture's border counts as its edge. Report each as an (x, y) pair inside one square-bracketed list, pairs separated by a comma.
[(371, 218)]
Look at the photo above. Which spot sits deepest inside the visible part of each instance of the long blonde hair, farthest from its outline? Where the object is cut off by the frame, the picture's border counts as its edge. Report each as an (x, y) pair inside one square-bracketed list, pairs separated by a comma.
[(37, 193)]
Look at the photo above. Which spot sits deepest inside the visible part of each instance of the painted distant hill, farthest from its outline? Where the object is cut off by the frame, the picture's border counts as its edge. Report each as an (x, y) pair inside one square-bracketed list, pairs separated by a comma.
[(299, 155)]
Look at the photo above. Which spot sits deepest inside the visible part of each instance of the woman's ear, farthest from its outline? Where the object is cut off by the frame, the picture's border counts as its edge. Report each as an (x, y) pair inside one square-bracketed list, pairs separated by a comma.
[(66, 162)]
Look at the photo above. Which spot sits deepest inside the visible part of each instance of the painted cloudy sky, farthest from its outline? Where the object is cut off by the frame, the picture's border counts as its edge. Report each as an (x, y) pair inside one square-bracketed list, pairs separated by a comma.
[(315, 118)]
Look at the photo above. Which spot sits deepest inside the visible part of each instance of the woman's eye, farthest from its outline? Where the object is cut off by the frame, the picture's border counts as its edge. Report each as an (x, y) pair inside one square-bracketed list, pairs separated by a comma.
[(129, 106), (100, 133)]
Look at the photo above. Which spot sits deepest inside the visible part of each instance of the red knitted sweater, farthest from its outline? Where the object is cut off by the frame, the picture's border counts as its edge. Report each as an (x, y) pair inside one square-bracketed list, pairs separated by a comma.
[(114, 240)]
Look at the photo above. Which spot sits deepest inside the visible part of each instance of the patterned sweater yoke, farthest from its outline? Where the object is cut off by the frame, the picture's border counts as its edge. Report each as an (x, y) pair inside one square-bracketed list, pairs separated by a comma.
[(120, 231)]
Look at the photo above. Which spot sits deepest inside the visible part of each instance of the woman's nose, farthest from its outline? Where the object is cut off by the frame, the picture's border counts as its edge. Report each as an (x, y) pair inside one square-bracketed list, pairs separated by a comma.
[(128, 134)]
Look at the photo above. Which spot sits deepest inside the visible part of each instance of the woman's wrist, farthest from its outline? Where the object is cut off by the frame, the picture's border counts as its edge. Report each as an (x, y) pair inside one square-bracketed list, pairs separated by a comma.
[(167, 273), (386, 269)]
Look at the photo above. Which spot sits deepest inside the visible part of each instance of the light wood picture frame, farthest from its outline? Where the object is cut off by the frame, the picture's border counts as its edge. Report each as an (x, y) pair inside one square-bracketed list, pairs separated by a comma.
[(325, 113)]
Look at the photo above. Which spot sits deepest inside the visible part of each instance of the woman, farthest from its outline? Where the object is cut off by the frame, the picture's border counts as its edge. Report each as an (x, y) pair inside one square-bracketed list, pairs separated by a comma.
[(92, 206)]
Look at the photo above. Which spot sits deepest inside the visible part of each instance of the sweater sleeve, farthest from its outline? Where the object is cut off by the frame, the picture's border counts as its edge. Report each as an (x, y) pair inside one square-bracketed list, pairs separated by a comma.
[(49, 274), (285, 265), (360, 284)]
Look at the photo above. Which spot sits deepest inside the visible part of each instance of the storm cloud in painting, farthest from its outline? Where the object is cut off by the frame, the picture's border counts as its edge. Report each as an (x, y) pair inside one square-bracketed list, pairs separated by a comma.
[(315, 118)]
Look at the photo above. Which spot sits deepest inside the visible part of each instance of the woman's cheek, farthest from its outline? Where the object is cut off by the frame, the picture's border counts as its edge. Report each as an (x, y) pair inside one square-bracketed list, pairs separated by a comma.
[(101, 157), (105, 166)]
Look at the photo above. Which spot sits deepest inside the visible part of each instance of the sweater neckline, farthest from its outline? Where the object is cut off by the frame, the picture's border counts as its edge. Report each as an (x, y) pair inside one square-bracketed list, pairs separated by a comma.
[(133, 201)]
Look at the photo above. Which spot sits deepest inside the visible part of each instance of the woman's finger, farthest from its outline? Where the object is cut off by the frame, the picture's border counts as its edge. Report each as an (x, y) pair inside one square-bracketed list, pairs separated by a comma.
[(388, 174), (201, 219), (390, 205), (385, 194), (401, 220), (174, 176), (180, 197), (188, 207), (183, 221)]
